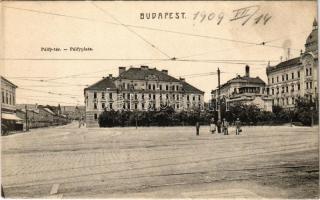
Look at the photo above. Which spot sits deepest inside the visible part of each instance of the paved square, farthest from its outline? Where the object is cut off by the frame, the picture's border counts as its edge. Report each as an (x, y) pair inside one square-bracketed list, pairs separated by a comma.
[(165, 162)]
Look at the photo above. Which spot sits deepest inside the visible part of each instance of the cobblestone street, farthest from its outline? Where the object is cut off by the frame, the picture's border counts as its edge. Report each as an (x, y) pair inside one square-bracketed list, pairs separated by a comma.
[(161, 162)]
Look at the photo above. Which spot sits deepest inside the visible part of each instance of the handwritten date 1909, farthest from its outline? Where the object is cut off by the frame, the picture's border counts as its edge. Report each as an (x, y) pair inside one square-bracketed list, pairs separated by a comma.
[(202, 16), (243, 15)]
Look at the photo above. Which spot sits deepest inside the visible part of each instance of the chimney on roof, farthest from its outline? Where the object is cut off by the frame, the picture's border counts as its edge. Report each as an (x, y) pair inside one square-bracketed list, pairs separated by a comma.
[(247, 71), (182, 79), (144, 67), (288, 54), (110, 76), (164, 71), (121, 70)]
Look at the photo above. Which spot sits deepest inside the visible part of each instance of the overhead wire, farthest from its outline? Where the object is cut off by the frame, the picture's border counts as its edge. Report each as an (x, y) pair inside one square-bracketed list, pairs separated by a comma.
[(129, 29), (49, 92), (149, 28), (60, 102)]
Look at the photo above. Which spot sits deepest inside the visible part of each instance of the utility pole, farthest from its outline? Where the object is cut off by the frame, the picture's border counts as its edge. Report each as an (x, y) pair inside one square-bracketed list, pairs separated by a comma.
[(218, 103), (136, 116), (312, 122), (27, 128)]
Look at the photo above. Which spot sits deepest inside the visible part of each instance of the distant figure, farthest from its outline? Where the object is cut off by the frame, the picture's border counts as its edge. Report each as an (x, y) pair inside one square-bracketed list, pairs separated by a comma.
[(212, 126), (219, 126), (238, 127), (225, 125), (81, 122), (197, 127), (2, 192)]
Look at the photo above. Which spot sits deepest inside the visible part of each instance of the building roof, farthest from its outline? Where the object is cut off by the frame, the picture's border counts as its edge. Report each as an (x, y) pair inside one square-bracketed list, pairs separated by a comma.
[(29, 106), (244, 79), (142, 73), (290, 62), (189, 88), (49, 111), (285, 64), (313, 37), (6, 80), (256, 80), (107, 82)]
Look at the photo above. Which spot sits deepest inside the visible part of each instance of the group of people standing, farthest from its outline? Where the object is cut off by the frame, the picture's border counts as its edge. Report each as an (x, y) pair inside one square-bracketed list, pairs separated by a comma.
[(221, 126)]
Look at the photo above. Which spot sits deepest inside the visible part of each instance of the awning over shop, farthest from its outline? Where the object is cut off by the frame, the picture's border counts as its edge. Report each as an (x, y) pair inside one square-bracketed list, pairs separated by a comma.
[(10, 117)]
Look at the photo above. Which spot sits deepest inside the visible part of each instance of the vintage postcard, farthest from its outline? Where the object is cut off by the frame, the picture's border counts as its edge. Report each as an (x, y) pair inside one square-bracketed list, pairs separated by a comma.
[(159, 99)]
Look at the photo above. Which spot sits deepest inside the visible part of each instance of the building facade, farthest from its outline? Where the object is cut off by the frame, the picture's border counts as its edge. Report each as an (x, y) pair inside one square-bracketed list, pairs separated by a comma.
[(140, 89), (73, 112), (297, 77), (9, 120), (40, 116), (243, 89)]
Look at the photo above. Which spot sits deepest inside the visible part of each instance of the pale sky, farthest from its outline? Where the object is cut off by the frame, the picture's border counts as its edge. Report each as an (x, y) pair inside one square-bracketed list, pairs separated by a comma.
[(79, 24)]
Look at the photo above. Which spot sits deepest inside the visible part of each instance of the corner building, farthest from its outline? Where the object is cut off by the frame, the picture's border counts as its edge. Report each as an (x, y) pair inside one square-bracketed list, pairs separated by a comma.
[(243, 89), (140, 89), (297, 77), (9, 119)]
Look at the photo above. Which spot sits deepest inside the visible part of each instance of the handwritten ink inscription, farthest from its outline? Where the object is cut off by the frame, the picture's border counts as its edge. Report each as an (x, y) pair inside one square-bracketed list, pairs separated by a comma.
[(246, 15), (243, 15), (202, 16)]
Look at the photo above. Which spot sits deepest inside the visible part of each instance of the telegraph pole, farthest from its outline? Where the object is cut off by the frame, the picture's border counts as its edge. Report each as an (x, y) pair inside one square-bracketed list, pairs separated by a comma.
[(219, 106), (27, 128), (312, 122)]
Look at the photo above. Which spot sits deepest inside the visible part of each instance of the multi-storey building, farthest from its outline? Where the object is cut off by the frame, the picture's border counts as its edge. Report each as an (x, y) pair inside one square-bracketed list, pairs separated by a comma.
[(244, 89), (8, 104), (141, 89), (297, 77)]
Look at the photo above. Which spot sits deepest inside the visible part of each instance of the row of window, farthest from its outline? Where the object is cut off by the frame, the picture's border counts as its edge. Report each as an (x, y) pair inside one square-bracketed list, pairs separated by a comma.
[(127, 106), (102, 95), (8, 98), (151, 87), (151, 96), (285, 77), (143, 106), (284, 89), (284, 101), (110, 105)]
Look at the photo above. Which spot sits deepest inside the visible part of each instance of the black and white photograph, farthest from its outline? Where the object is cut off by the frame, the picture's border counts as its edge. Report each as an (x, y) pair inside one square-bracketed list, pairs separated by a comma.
[(159, 99)]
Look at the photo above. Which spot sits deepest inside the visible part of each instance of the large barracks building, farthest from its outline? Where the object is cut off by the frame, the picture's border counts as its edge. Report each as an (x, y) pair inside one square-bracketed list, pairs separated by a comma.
[(141, 89)]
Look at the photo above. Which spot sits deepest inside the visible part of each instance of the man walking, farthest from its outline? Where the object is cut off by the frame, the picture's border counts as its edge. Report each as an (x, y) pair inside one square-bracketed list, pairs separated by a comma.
[(219, 126), (2, 192), (238, 128), (225, 126), (197, 127), (212, 126)]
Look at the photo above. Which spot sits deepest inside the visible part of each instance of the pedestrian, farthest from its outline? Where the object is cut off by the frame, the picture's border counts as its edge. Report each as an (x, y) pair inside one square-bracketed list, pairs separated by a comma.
[(2, 192), (225, 125), (197, 127), (238, 127), (80, 123), (212, 126), (219, 125)]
